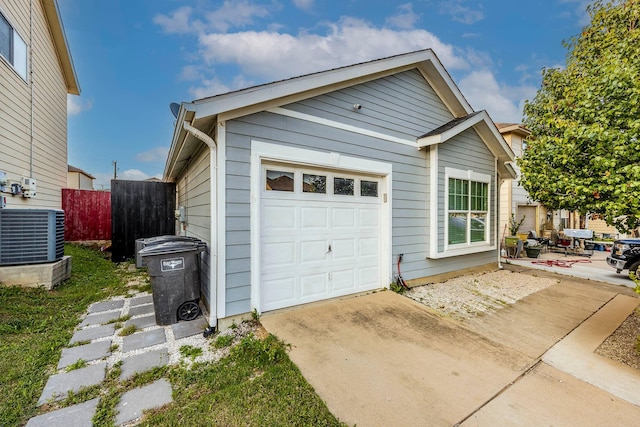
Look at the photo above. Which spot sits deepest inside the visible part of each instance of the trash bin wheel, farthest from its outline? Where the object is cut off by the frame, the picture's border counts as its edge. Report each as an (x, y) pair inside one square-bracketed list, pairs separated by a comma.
[(188, 310)]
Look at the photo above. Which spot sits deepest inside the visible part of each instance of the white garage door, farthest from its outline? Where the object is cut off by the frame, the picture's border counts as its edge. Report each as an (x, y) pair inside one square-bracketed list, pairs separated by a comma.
[(320, 235)]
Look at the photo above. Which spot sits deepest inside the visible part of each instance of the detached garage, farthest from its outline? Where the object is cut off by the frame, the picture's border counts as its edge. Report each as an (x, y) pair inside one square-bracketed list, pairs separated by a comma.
[(310, 188)]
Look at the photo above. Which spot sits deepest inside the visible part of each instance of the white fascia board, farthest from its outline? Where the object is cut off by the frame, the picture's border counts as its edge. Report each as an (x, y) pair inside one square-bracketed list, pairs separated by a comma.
[(487, 131), (444, 86), (185, 113), (450, 133)]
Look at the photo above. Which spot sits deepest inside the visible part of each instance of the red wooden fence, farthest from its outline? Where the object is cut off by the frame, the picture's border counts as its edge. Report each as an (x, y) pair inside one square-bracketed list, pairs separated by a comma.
[(87, 215)]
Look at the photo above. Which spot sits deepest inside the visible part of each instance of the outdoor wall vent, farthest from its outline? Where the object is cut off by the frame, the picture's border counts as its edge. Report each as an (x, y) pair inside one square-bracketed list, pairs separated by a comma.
[(31, 236)]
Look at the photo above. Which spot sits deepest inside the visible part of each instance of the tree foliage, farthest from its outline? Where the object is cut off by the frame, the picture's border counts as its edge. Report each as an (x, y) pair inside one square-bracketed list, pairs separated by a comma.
[(584, 150)]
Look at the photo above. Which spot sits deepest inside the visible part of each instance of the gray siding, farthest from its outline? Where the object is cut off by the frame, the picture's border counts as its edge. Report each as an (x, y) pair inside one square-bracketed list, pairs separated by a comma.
[(402, 105), (193, 192), (467, 152)]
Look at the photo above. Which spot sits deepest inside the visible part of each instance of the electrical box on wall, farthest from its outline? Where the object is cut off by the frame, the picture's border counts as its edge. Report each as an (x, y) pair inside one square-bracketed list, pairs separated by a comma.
[(28, 187), (4, 182), (3, 201)]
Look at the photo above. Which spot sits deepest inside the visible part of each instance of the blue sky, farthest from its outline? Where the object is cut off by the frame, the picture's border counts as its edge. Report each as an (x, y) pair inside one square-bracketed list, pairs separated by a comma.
[(134, 57)]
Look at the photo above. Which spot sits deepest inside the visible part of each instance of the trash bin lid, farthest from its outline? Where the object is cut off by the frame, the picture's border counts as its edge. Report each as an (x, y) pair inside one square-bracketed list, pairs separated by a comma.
[(173, 247), (168, 238)]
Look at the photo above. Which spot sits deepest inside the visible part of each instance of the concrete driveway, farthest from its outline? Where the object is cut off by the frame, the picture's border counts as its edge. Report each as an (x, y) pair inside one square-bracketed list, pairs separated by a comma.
[(382, 359)]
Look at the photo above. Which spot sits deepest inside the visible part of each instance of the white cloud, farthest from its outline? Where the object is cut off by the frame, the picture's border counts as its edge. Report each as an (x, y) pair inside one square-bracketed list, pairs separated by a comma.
[(273, 56), (461, 13), (178, 21), (405, 18), (303, 4), (210, 87), (75, 105), (269, 55), (133, 175), (580, 10), (503, 103), (157, 154), (232, 14)]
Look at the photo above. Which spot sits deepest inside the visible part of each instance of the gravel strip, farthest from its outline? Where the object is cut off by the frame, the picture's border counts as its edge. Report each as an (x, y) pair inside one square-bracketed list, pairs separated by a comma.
[(472, 295)]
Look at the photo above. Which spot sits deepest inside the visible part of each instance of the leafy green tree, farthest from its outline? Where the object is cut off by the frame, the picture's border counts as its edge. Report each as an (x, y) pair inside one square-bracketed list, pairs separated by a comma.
[(584, 150)]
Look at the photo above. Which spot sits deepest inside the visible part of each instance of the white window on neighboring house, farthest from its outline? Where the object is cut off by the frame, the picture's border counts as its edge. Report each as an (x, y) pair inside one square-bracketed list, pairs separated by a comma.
[(12, 47), (467, 208)]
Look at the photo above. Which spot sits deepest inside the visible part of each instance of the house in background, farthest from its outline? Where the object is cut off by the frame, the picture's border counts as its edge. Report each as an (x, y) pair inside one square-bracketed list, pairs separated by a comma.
[(314, 187), (36, 74), (79, 179), (515, 199)]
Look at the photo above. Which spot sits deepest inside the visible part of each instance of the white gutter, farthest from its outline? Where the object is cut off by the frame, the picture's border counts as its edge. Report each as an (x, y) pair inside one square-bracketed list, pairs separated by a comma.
[(213, 244), (200, 135)]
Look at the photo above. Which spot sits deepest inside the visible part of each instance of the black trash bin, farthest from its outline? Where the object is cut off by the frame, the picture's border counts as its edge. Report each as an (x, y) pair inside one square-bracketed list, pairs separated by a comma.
[(147, 241), (174, 269)]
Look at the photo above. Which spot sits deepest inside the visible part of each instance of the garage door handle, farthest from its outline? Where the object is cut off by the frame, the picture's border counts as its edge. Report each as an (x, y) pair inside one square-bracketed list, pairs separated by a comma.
[(329, 249)]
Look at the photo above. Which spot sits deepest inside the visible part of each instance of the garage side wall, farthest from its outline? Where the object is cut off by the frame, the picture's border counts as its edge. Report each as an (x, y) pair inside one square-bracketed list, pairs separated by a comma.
[(402, 106), (193, 192)]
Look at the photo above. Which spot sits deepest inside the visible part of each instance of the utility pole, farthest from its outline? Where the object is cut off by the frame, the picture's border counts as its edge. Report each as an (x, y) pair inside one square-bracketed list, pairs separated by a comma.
[(115, 169)]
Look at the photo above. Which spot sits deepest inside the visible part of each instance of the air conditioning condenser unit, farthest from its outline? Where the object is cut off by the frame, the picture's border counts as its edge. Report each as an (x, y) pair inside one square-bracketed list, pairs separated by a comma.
[(31, 236)]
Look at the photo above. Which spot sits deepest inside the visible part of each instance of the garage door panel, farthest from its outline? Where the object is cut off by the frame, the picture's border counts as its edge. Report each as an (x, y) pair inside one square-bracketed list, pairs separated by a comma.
[(278, 254), (343, 218), (368, 246), (313, 285), (278, 217), (368, 277), (343, 280), (313, 251), (343, 248), (369, 218), (278, 293), (314, 217)]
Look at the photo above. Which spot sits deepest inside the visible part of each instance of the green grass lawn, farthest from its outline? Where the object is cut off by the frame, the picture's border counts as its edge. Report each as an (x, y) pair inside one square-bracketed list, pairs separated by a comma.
[(256, 385)]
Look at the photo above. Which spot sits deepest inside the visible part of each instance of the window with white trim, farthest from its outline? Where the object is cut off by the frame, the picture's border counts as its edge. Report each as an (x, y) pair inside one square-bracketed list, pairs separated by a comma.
[(12, 47), (467, 208)]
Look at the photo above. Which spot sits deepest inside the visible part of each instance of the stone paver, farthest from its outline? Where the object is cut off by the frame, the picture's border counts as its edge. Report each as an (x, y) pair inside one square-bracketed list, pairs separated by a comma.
[(187, 329), (141, 322), (135, 401), (143, 362), (92, 333), (141, 309), (143, 339), (79, 415), (141, 300), (96, 319), (59, 385), (87, 352), (106, 306)]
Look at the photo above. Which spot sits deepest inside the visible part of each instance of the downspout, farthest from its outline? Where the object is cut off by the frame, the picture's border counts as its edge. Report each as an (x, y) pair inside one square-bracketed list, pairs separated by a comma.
[(213, 250)]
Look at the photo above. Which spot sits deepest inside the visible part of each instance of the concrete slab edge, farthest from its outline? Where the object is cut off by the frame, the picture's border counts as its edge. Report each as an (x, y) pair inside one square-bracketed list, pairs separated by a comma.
[(575, 353)]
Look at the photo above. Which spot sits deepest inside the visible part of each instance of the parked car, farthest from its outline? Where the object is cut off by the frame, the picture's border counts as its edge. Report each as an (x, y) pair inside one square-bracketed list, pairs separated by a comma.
[(625, 255)]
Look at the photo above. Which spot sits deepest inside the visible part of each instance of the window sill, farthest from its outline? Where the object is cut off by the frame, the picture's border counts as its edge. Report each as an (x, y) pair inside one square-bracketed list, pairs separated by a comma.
[(461, 250)]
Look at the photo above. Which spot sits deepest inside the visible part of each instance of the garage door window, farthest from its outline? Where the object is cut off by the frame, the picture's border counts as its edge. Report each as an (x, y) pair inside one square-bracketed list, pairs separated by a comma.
[(314, 183), (280, 181), (343, 186), (369, 188)]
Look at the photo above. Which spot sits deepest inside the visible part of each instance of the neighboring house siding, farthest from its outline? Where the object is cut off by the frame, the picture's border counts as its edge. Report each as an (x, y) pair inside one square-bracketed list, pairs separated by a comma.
[(193, 192), (49, 113), (79, 181), (403, 105)]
